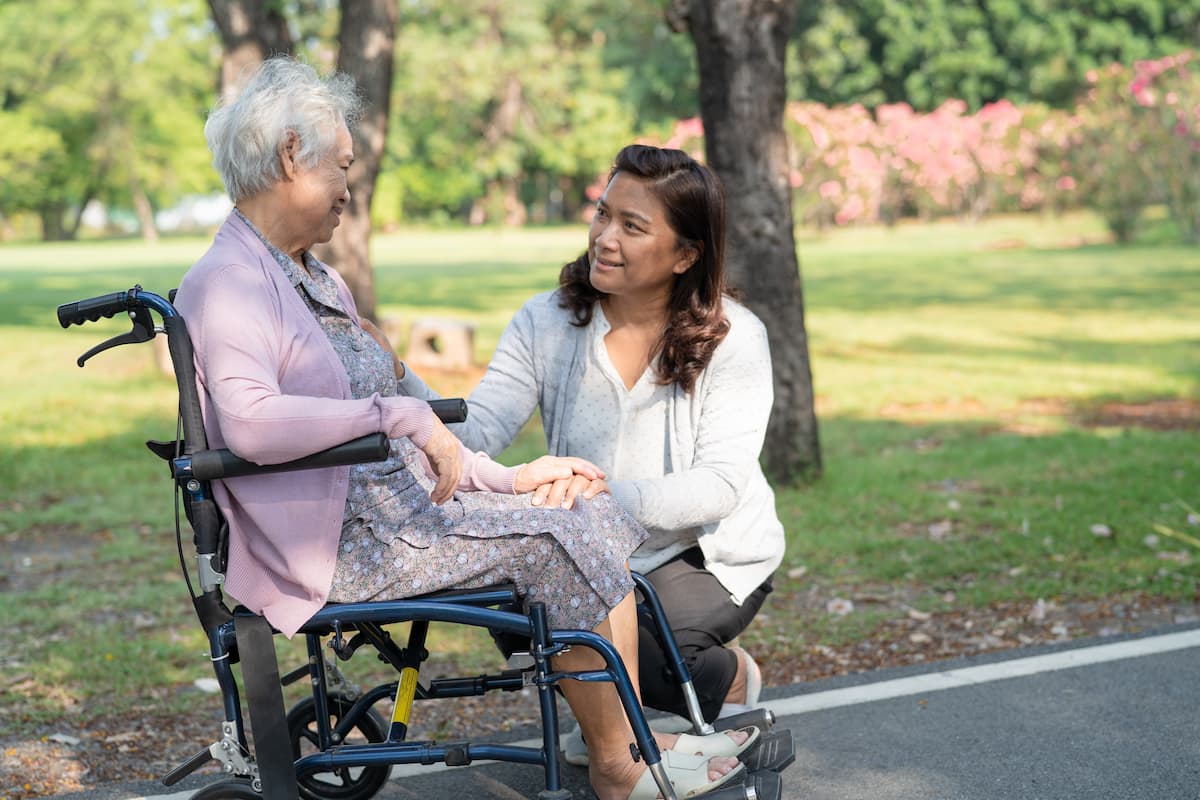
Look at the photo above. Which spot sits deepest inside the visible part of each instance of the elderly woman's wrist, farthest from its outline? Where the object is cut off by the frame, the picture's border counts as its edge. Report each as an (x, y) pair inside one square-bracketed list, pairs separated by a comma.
[(410, 417)]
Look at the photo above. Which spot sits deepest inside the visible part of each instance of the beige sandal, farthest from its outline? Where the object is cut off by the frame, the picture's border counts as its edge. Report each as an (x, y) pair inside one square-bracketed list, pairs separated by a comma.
[(688, 775)]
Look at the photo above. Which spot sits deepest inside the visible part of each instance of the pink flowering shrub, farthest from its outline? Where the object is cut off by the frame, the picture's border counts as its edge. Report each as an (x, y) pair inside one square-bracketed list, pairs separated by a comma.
[(1109, 137), (1132, 139), (851, 166), (1167, 91), (836, 170)]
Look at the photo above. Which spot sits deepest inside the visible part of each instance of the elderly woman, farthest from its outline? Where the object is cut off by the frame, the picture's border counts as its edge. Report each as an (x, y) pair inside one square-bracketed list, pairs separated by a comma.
[(642, 364), (285, 368)]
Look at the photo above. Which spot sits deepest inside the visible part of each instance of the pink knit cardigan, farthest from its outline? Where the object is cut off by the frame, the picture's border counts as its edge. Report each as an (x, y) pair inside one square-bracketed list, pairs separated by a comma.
[(272, 389)]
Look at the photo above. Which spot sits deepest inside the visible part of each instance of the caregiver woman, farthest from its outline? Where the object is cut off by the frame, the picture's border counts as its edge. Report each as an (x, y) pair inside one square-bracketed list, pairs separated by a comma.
[(641, 364)]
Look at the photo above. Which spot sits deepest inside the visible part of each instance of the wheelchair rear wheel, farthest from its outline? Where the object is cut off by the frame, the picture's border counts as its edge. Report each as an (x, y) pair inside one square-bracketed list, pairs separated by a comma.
[(228, 789), (350, 783)]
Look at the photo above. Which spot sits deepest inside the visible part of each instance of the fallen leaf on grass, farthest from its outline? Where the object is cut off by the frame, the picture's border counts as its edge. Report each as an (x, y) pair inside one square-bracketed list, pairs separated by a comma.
[(1038, 612), (939, 530), (118, 738), (839, 606)]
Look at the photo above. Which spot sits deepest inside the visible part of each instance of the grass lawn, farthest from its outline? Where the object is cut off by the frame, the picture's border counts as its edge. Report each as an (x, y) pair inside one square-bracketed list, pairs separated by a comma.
[(1008, 410)]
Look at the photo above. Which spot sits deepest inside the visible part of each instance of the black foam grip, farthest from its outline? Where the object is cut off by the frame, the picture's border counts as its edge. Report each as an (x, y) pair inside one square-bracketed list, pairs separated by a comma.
[(450, 409), (209, 465), (92, 309)]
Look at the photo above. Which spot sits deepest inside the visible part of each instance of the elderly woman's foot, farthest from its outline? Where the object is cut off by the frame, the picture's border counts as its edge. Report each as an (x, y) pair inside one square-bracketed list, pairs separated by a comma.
[(575, 750), (618, 781), (670, 741)]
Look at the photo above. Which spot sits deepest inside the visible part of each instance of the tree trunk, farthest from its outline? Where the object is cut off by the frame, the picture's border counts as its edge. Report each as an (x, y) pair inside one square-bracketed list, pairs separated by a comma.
[(741, 47), (51, 214), (144, 211), (250, 32), (366, 45)]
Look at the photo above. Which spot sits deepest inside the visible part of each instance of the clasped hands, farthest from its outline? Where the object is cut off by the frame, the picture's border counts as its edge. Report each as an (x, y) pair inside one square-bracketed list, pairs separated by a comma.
[(554, 481)]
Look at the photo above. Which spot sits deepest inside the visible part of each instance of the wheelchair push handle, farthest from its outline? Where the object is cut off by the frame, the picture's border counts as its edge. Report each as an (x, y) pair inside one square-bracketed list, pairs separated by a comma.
[(450, 409), (106, 305)]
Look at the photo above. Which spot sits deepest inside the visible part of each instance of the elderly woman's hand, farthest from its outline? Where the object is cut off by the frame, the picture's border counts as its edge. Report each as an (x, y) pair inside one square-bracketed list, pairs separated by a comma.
[(444, 452), (557, 481)]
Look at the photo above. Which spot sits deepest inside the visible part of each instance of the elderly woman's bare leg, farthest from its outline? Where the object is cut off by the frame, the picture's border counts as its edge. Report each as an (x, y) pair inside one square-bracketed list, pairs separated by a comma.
[(601, 716)]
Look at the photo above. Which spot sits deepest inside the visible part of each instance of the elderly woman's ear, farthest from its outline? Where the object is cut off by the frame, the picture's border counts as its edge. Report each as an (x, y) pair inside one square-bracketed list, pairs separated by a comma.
[(289, 148)]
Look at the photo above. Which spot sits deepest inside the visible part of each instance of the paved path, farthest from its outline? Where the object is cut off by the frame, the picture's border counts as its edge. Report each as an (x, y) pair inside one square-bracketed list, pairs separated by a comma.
[(1103, 719)]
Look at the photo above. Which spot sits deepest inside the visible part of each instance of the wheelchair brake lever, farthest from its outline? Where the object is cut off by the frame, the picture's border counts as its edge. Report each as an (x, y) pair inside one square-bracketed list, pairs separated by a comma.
[(143, 331)]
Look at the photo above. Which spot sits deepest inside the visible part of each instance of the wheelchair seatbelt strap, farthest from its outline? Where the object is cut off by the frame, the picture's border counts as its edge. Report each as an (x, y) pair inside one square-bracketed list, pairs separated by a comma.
[(264, 698)]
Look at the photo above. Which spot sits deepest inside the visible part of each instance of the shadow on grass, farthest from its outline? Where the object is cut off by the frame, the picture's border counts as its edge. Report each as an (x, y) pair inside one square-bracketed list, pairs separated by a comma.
[(464, 286), (1156, 279), (31, 297), (966, 506), (1176, 357)]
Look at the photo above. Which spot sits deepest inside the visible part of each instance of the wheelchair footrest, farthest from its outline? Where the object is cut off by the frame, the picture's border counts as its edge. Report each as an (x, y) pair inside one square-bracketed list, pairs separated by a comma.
[(761, 718), (188, 767), (775, 751), (756, 786)]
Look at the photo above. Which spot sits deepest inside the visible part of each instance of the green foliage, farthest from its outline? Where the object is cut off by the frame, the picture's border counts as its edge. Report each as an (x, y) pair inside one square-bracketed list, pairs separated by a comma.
[(925, 51), (497, 106), (105, 101)]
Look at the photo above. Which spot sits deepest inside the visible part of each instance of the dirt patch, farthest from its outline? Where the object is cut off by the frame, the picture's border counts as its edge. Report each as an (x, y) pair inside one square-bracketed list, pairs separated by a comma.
[(1158, 415), (1172, 414), (45, 553), (916, 637), (71, 757)]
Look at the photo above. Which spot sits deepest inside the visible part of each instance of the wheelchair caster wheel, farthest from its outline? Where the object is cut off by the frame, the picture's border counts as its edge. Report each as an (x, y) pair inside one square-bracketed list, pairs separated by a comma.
[(228, 789), (344, 783)]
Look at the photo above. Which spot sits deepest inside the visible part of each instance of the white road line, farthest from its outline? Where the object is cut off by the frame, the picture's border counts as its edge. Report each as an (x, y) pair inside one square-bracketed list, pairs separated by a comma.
[(985, 673), (906, 687)]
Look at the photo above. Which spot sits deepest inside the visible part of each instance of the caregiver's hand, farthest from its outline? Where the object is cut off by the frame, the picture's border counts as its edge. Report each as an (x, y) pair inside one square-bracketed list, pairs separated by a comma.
[(560, 480)]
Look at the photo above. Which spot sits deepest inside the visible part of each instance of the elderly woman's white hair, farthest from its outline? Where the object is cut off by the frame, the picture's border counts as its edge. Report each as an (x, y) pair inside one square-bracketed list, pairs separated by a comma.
[(284, 96)]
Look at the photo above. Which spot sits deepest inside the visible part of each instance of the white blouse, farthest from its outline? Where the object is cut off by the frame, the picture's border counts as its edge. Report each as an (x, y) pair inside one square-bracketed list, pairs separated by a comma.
[(624, 432)]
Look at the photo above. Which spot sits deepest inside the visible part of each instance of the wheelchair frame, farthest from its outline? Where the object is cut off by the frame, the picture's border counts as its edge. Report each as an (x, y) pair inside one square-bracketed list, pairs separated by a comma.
[(241, 636)]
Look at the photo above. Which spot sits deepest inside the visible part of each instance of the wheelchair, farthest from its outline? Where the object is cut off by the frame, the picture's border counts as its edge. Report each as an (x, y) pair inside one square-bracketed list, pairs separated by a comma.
[(351, 747)]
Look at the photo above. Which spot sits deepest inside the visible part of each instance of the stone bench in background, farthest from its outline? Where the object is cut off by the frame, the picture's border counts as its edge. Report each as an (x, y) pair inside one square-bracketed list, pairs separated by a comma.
[(440, 344)]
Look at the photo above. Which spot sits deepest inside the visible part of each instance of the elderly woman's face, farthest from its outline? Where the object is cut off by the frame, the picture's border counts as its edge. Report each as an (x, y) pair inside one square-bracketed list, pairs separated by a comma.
[(320, 192)]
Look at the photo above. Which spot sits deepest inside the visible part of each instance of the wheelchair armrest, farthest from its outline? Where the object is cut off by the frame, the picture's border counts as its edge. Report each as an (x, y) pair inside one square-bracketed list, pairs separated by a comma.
[(208, 465)]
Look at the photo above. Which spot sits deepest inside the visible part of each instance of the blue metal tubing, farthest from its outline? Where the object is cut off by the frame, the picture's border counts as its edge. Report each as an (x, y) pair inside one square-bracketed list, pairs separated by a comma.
[(377, 755), (219, 653), (154, 302), (665, 636), (615, 673), (316, 672), (539, 624), (390, 611), (405, 610)]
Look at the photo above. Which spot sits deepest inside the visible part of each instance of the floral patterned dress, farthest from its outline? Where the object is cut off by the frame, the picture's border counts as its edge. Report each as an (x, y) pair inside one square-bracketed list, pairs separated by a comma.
[(396, 543)]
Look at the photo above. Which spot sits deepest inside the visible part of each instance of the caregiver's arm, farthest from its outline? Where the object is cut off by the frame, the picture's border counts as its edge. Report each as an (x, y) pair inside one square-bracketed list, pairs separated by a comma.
[(506, 396)]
